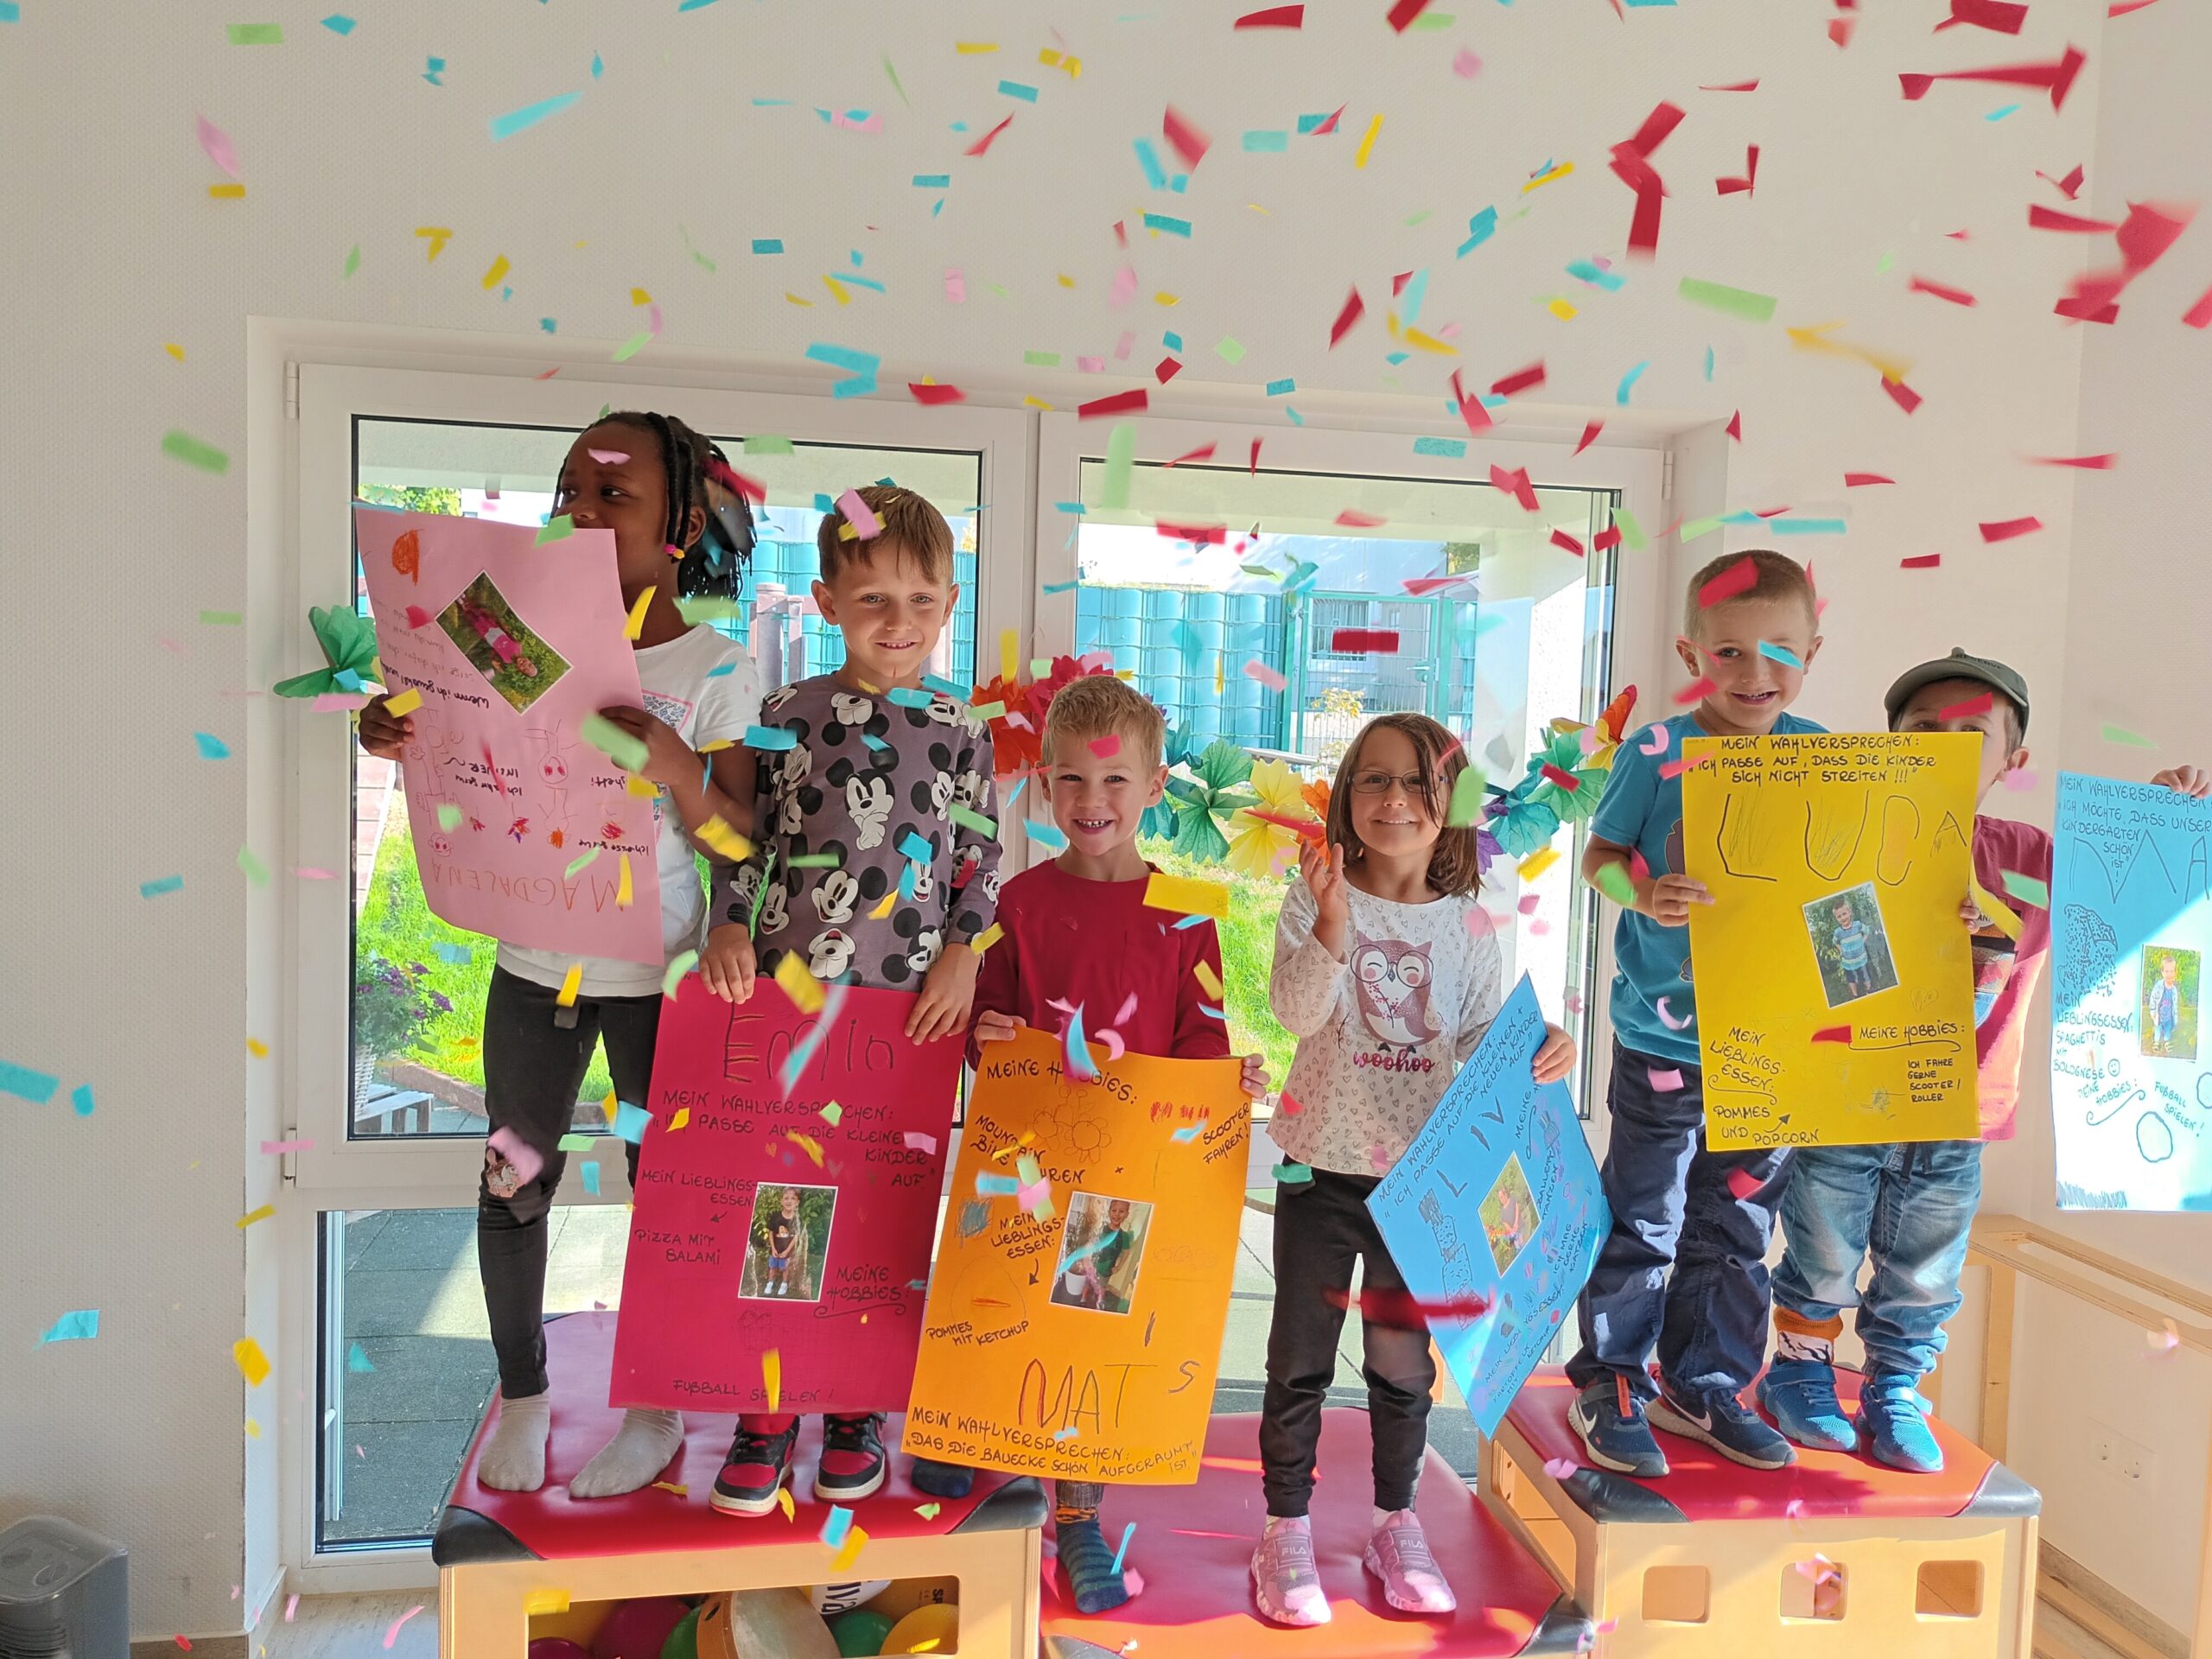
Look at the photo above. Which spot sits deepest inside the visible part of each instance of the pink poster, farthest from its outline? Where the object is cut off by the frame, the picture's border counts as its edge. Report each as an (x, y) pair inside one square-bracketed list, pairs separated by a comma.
[(523, 830), (787, 1201)]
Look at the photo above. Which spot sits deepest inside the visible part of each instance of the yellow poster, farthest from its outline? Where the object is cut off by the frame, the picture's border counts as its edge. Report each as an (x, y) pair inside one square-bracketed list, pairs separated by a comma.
[(1834, 977), (1075, 1313)]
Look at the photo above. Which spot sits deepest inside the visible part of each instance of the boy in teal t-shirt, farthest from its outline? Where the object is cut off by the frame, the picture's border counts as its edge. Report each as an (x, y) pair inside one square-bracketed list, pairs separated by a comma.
[(1751, 630)]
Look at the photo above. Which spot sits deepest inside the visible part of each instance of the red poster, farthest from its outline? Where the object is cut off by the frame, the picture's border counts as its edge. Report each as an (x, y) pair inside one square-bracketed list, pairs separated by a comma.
[(786, 1202)]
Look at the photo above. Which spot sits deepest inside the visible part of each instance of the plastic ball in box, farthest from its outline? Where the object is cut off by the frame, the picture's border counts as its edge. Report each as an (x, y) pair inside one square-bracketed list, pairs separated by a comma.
[(860, 1633), (638, 1629), (683, 1641), (926, 1630)]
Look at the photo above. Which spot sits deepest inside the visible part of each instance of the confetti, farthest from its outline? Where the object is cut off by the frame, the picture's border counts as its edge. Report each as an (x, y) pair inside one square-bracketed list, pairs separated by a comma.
[(1730, 302), (392, 1635), (252, 1363), (164, 884), (1739, 577), (2009, 528), (1292, 1174), (515, 121), (257, 34), (81, 1326), (1560, 1468), (772, 1375), (1632, 164), (1185, 896), (926, 1144), (2058, 76), (2121, 734), (850, 1551), (192, 452), (404, 704), (252, 1216)]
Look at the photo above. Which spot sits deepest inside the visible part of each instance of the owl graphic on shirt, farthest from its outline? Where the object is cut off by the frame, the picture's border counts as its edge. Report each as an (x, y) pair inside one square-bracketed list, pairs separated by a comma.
[(1390, 984)]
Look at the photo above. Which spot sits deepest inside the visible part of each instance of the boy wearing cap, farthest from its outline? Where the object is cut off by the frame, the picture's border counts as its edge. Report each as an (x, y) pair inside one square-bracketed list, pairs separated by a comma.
[(1913, 1203)]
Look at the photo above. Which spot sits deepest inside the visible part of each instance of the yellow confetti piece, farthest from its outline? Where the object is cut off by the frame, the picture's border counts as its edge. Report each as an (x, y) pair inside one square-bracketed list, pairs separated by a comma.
[(173, 349), (252, 1216), (720, 743), (252, 1363), (2006, 918), (636, 624), (989, 936), (1009, 654), (1558, 172), (256, 1048), (625, 893), (1037, 403), (798, 300), (847, 533), (1537, 863), (676, 1487), (253, 1429), (683, 1117), (1220, 674), (644, 788), (1066, 281), (798, 981), (226, 192), (571, 982), (884, 909), (638, 296), (611, 1106), (717, 833), (842, 294), (404, 704), (1421, 342), (499, 269), (783, 1502), (1208, 979), (1186, 897), (1562, 310), (772, 1375), (850, 1551), (974, 49), (539, 1602), (1164, 297), (1367, 144), (807, 1144), (437, 235)]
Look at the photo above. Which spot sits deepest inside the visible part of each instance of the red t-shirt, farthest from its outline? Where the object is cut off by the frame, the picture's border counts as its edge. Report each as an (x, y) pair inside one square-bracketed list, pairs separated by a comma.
[(1092, 944), (2004, 973)]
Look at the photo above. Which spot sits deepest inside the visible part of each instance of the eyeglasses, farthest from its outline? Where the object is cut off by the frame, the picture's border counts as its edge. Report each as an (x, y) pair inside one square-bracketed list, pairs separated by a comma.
[(1415, 783)]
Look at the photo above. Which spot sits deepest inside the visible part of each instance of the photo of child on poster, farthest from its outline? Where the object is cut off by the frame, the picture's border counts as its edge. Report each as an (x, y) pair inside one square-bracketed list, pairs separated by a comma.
[(2171, 981), (1849, 944), (1100, 1247), (788, 1251), (520, 666)]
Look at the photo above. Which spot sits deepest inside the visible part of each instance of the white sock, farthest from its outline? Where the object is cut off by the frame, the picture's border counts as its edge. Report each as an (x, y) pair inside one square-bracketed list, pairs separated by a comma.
[(634, 1458), (514, 1457)]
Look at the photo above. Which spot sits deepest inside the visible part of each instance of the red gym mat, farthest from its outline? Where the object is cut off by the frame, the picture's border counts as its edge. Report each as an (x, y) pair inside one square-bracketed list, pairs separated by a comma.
[(1193, 1544), (481, 1524), (1706, 1486)]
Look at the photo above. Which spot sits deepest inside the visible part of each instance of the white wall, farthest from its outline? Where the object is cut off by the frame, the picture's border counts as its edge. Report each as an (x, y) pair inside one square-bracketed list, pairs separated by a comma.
[(108, 548)]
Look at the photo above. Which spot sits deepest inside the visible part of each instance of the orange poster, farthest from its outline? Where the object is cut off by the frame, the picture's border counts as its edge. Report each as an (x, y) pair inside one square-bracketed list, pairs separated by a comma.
[(1074, 1321)]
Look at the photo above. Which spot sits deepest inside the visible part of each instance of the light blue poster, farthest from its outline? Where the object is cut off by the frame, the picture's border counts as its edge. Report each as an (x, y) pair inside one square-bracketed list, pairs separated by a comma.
[(2131, 1058), (1495, 1203)]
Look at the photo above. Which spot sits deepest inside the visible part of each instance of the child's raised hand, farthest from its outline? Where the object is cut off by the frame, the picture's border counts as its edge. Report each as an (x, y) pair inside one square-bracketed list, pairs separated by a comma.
[(1556, 1057), (1323, 866), (2192, 781), (1672, 897), (1255, 1077), (383, 734), (948, 992), (1970, 913), (670, 761), (992, 1027), (726, 962)]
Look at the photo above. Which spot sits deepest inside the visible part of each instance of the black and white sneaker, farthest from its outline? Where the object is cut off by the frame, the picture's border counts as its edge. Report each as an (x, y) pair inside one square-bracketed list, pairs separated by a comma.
[(853, 1464), (1726, 1424), (753, 1471)]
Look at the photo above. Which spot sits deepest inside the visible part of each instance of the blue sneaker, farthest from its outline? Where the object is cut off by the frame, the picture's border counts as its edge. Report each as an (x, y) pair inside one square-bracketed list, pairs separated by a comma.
[(1726, 1425), (1800, 1393), (1894, 1419), (1610, 1420)]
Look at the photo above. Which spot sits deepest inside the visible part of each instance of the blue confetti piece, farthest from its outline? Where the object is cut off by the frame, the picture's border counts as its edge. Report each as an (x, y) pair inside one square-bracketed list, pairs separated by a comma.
[(772, 103), (1445, 448), (912, 846), (598, 68), (858, 386), (591, 1180), (1708, 363), (1267, 143), (1480, 229), (1016, 89), (862, 282), (338, 23), (766, 738), (836, 1529), (905, 696), (156, 889), (1584, 271), (1213, 1013), (1307, 123), (356, 1359), (1780, 653), (694, 5), (630, 1122), (515, 121), (457, 956), (717, 673), (1415, 291), (996, 1186), (939, 682), (825, 503), (1292, 1174), (1047, 835), (1065, 1433), (1060, 586), (1164, 222), (1013, 794), (80, 1099), (1741, 516), (874, 741), (1994, 115), (348, 679), (1628, 383), (212, 747), (1281, 388), (906, 879), (23, 1082), (767, 244), (1075, 507), (80, 1326), (1634, 4), (1173, 341), (932, 181), (1296, 419), (1077, 1056), (1154, 174), (1127, 1533), (1187, 1133), (1806, 526), (843, 357)]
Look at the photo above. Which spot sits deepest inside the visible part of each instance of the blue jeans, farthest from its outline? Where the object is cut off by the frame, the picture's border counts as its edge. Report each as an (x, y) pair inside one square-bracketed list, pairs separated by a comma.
[(1911, 1205), (1674, 1206)]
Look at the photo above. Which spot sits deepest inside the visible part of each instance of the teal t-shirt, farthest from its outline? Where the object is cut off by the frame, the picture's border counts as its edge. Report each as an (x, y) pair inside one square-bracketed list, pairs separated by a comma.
[(1641, 809)]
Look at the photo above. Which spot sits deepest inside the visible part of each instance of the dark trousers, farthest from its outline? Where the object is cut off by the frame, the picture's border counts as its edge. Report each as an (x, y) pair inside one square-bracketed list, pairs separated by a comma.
[(1322, 1227), (535, 1053), (1707, 1215)]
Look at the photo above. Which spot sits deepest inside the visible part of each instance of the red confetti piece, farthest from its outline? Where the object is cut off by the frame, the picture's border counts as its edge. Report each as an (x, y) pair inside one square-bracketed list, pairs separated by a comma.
[(1120, 403), (1383, 641), (736, 482), (1560, 538), (2144, 237), (2200, 315), (1204, 451), (2086, 463), (1632, 164), (1920, 562), (184, 1642), (983, 144), (1743, 1183), (1694, 691), (2058, 76), (2041, 218), (1832, 1034), (935, 395), (1403, 13), (1165, 370), (1739, 577), (1999, 16), (1190, 143), (1470, 409), (1942, 291), (2070, 187), (1273, 17), (1515, 484), (1403, 1310), (1566, 780), (1519, 380), (2007, 529), (1733, 86), (2121, 8), (1839, 29), (1980, 705), (1329, 125), (1606, 539), (1354, 307), (1735, 427), (1589, 435), (1853, 480), (1902, 395), (1205, 535), (1744, 186), (1352, 518), (1676, 768), (1253, 466)]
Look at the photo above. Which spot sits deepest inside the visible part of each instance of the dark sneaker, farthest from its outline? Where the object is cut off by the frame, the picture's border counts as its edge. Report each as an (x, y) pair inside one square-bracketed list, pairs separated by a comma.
[(1800, 1393), (1609, 1419), (1726, 1425), (754, 1472), (852, 1463), (952, 1480), (1895, 1420)]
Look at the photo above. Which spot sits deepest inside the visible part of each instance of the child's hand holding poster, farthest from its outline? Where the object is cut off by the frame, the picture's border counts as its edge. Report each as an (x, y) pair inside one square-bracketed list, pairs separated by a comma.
[(792, 1220), (1075, 1316), (1495, 1214), (2130, 926), (523, 830), (1834, 975)]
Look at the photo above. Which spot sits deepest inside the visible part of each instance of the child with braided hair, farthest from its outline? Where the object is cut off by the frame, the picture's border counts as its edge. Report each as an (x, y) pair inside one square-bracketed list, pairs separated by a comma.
[(679, 530)]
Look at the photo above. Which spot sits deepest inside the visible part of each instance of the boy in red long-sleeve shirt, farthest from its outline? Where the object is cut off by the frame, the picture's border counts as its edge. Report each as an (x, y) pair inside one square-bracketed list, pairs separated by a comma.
[(1078, 933)]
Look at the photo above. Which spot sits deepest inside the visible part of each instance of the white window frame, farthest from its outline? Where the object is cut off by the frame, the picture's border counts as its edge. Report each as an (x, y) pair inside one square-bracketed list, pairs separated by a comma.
[(335, 1173)]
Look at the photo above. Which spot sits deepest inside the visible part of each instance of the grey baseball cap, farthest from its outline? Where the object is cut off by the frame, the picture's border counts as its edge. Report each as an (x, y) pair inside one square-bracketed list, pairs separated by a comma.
[(1983, 670)]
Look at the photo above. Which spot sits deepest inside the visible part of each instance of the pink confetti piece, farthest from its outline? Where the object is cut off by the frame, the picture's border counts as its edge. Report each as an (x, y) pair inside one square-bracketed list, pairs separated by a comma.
[(608, 457), (292, 1606), (217, 143), (956, 288), (1288, 1107), (1129, 1006), (2165, 1341), (278, 1148), (865, 526), (392, 1635), (1106, 747), (873, 123), (526, 1158), (1666, 1079), (313, 872), (2005, 530), (1030, 1196), (1655, 740), (1115, 1046), (920, 1142), (1667, 1017), (1466, 63), (1574, 1001), (1256, 670), (1560, 1468), (1794, 1508), (332, 703), (2019, 780)]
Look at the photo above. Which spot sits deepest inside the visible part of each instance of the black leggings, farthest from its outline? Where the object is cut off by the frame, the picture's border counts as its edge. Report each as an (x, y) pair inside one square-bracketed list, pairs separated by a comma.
[(535, 1053)]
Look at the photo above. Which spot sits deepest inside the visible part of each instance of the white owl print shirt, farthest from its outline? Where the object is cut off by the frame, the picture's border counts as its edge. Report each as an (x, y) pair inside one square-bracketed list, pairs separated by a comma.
[(866, 783), (1380, 1034)]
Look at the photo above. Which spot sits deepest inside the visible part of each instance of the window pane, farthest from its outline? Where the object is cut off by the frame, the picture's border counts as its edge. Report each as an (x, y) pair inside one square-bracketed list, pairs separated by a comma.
[(408, 1362), (1216, 585), (419, 985)]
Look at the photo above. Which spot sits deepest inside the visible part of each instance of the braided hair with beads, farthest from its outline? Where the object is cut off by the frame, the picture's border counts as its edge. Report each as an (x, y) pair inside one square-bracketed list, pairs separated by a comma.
[(698, 476)]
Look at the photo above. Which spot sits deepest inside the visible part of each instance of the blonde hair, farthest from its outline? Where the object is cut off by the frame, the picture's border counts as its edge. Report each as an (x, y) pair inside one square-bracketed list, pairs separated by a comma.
[(1097, 704), (1774, 576), (1455, 863), (911, 526)]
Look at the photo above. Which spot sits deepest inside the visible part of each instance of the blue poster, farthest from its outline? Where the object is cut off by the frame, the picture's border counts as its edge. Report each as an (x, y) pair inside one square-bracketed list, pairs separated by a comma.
[(2131, 1056), (1496, 1208)]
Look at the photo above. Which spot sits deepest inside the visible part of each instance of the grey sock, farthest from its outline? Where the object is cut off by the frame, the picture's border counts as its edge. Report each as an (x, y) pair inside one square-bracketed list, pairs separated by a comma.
[(641, 1448), (514, 1457)]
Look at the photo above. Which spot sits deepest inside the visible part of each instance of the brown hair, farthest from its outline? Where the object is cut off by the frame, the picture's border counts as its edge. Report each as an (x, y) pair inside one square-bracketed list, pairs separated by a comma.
[(1774, 576), (1096, 705), (1455, 862), (911, 526)]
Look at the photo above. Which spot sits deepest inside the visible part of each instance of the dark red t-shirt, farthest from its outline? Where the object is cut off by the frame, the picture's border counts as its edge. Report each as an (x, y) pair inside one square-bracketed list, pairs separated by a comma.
[(1093, 945), (2004, 973)]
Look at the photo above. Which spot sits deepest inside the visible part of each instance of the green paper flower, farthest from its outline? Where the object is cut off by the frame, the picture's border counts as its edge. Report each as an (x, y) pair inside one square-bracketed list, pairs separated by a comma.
[(349, 643)]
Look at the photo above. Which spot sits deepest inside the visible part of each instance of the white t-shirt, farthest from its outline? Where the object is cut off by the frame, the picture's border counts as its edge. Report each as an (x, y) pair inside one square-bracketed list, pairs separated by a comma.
[(681, 689), (1380, 1034)]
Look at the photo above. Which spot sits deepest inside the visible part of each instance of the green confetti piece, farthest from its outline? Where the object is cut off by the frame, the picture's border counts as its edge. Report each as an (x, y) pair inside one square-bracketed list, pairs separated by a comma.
[(680, 964), (603, 734), (986, 710), (573, 1143), (1229, 350), (1041, 359), (1431, 21), (1466, 807), (353, 263), (1732, 301), (557, 529), (767, 443), (1120, 462), (2121, 734), (1613, 880), (192, 452), (1632, 534), (1697, 527), (832, 1113), (630, 347), (257, 34), (584, 860), (813, 862), (1293, 1174), (2025, 888), (970, 818), (256, 870), (707, 608), (222, 619), (894, 75), (450, 816)]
